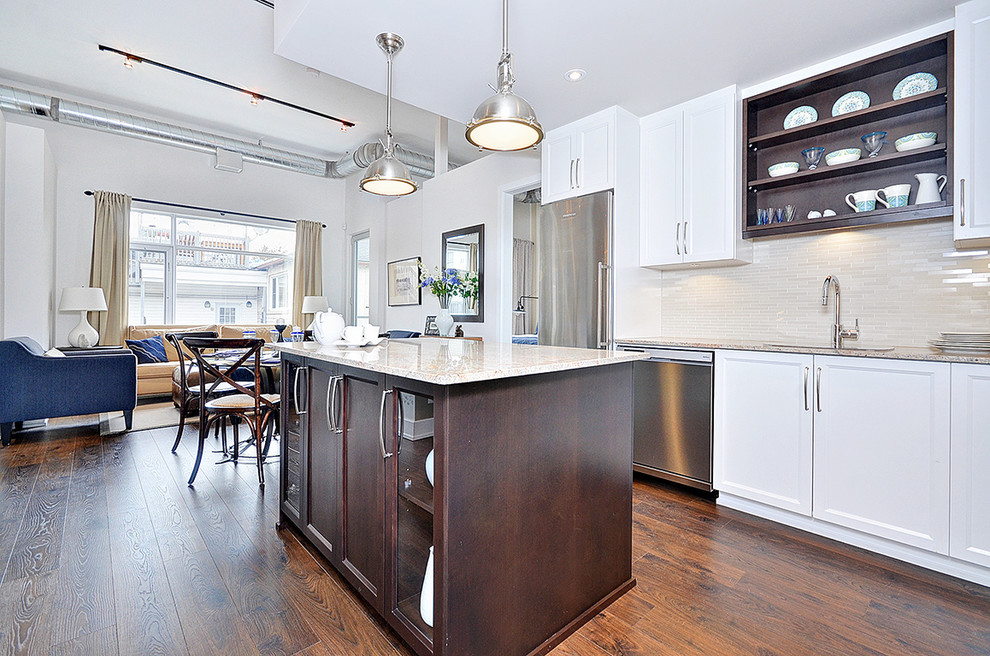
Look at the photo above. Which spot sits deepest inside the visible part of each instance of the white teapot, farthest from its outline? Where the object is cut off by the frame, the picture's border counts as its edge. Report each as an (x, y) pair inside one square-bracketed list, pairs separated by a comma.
[(327, 327)]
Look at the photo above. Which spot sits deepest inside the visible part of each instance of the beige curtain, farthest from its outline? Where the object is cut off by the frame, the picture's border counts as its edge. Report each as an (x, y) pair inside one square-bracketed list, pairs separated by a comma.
[(308, 268), (110, 263)]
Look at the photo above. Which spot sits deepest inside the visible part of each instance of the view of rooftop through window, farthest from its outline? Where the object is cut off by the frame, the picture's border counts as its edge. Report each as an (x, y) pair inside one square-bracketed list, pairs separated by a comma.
[(192, 271)]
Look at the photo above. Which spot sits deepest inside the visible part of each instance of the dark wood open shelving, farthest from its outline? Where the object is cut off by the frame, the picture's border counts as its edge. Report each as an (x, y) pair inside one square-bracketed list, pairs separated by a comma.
[(826, 187), (852, 119), (852, 220), (824, 171)]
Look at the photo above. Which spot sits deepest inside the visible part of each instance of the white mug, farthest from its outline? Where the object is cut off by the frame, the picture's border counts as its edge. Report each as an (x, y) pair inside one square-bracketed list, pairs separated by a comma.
[(370, 332), (353, 334), (895, 195), (862, 201)]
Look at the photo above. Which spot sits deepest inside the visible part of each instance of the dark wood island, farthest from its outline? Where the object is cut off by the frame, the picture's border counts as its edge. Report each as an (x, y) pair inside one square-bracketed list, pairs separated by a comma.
[(529, 514)]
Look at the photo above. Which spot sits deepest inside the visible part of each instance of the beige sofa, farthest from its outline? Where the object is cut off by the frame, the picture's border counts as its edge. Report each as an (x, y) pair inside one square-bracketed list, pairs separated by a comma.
[(155, 378)]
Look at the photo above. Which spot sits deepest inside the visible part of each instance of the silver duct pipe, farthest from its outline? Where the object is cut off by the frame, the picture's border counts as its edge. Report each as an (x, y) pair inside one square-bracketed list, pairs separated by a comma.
[(98, 118)]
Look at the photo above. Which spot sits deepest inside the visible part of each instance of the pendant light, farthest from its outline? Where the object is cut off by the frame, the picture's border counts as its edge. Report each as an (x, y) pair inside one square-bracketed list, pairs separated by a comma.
[(504, 121), (387, 176)]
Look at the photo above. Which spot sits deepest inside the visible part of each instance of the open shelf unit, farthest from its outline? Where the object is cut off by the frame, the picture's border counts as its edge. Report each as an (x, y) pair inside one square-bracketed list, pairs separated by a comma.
[(826, 187)]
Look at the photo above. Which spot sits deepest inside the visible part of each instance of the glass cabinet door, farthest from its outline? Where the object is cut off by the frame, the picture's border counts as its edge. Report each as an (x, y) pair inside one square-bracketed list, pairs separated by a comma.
[(295, 398), (413, 558)]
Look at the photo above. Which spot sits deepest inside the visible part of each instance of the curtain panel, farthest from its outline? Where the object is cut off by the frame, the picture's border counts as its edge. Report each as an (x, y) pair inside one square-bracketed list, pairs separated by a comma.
[(522, 284), (308, 266), (109, 267)]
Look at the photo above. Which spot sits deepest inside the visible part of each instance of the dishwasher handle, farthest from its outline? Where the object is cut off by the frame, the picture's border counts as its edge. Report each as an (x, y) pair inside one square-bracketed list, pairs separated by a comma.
[(673, 355)]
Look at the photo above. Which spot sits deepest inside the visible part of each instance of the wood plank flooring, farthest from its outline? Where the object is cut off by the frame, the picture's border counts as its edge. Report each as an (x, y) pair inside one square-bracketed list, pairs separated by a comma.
[(105, 550)]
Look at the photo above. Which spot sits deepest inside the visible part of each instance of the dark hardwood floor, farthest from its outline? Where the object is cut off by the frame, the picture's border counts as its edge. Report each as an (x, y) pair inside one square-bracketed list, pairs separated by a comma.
[(105, 550)]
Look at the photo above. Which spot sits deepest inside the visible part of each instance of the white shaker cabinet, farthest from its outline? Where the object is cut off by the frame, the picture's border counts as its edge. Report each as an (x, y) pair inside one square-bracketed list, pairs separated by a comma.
[(763, 427), (969, 538), (579, 158), (689, 184), (881, 456), (971, 158)]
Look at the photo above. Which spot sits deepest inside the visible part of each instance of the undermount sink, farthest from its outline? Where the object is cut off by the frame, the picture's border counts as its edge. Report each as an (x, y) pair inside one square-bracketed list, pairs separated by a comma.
[(825, 347)]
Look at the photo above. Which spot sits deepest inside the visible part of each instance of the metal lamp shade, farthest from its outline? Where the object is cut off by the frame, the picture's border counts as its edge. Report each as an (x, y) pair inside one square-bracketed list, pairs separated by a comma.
[(387, 176), (504, 122)]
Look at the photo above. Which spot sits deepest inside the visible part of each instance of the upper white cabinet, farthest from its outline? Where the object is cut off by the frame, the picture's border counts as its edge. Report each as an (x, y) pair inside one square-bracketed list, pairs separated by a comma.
[(881, 461), (970, 510), (763, 427), (971, 159), (579, 158), (689, 181)]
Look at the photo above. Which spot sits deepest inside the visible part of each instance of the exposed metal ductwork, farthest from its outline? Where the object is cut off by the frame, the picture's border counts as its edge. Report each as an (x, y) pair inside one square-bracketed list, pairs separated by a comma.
[(22, 101)]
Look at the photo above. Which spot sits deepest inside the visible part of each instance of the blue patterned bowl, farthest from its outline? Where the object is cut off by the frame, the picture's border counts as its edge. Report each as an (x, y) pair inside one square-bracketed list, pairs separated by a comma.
[(783, 168), (843, 156), (916, 140)]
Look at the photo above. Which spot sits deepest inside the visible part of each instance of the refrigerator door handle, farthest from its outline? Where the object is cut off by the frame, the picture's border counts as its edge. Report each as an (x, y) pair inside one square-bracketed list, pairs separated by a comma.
[(598, 326)]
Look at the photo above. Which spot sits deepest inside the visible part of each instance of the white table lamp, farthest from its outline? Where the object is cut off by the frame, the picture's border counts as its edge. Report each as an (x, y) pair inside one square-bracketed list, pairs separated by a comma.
[(83, 300), (314, 304)]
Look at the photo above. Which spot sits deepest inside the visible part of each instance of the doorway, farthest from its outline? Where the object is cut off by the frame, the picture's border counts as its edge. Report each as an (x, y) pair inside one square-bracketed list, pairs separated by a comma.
[(360, 301)]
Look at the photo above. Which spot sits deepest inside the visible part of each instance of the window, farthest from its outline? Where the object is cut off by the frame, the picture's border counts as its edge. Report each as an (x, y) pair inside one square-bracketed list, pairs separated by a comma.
[(194, 271), (361, 276)]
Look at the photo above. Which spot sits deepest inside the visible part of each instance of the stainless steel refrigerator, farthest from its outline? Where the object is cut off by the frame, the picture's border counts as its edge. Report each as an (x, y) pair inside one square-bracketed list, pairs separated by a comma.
[(575, 260)]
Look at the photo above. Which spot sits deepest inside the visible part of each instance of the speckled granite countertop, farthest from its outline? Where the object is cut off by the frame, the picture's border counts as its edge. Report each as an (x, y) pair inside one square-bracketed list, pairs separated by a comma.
[(453, 361), (898, 353)]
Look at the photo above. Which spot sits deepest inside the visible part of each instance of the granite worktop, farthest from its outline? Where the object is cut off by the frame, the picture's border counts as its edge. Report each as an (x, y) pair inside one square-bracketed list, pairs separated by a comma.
[(454, 361), (898, 352)]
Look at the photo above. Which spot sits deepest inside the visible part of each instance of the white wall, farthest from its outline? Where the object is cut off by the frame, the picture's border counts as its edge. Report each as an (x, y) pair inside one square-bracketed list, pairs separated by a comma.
[(28, 237), (467, 196), (87, 159), (3, 233), (364, 213)]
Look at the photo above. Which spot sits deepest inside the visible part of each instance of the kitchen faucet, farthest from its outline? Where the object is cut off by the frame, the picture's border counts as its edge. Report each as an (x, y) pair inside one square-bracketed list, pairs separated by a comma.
[(838, 332)]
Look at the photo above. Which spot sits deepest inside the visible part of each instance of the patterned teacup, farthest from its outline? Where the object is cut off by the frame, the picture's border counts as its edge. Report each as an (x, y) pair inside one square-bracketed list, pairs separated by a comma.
[(862, 201), (895, 195)]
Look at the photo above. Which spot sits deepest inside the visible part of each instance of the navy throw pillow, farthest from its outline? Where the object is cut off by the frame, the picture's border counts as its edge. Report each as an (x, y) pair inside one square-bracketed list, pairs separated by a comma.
[(148, 350)]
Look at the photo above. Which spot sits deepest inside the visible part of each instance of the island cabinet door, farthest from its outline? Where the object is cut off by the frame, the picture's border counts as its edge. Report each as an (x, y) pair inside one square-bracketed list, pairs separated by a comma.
[(324, 458), (412, 424), (295, 395), (362, 399)]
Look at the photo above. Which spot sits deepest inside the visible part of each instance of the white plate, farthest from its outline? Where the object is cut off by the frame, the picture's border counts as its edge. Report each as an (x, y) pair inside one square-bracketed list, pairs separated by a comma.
[(371, 342), (914, 84), (950, 335), (961, 350), (800, 116), (850, 102)]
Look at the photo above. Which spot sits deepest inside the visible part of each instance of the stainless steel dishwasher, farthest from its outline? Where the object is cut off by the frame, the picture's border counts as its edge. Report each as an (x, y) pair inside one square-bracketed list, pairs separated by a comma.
[(672, 415)]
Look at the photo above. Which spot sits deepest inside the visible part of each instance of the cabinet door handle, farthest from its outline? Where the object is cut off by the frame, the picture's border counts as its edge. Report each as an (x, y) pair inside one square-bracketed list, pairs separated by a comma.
[(962, 201), (818, 388), (677, 238), (684, 243), (577, 173), (570, 173), (295, 391), (807, 370), (338, 422), (330, 385), (381, 424)]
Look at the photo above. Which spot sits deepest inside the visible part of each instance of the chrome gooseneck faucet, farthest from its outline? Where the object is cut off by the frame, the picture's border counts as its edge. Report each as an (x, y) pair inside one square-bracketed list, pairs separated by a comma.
[(838, 332)]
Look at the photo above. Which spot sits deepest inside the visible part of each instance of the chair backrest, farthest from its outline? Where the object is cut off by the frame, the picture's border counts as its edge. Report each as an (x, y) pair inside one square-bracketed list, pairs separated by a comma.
[(175, 339), (223, 372)]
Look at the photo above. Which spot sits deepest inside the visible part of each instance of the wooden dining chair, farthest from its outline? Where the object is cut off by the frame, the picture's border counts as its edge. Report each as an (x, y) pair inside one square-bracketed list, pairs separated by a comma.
[(248, 404)]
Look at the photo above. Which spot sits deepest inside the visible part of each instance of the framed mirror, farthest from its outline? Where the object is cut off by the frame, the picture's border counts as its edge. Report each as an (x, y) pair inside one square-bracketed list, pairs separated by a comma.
[(464, 250)]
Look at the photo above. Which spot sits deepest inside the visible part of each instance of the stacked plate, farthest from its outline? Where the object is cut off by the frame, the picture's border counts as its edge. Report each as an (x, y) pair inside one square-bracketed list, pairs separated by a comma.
[(962, 343)]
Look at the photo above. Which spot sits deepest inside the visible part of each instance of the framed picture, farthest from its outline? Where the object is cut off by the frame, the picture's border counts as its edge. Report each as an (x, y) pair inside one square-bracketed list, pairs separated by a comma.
[(403, 282), (431, 325)]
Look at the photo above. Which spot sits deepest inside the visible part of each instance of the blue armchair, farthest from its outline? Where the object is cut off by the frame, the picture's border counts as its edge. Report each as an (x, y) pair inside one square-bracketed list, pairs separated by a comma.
[(33, 386)]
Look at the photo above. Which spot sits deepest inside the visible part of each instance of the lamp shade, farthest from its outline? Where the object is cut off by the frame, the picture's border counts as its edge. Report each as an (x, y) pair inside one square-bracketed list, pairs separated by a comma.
[(314, 304), (504, 122), (387, 176), (82, 299)]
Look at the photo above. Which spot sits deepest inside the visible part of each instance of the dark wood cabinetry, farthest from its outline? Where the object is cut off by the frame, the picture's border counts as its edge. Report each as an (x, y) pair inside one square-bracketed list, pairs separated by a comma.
[(528, 516), (766, 142)]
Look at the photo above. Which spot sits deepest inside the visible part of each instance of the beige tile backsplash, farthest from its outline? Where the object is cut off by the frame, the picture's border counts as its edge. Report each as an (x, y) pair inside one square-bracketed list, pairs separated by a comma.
[(904, 283)]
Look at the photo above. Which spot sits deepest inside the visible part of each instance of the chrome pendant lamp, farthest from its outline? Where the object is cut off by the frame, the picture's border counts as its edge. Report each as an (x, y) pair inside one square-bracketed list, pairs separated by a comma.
[(504, 121), (387, 176)]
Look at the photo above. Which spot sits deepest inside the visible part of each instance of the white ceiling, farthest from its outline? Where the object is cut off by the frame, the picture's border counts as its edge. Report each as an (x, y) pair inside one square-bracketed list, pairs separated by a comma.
[(51, 46), (643, 55)]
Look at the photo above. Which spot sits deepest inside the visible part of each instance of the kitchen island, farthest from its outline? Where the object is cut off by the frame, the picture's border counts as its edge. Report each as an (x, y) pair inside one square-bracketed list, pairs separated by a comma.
[(529, 513)]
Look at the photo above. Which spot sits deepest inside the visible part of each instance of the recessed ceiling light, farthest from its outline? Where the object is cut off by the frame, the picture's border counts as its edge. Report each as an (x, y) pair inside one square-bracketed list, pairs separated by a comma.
[(575, 75)]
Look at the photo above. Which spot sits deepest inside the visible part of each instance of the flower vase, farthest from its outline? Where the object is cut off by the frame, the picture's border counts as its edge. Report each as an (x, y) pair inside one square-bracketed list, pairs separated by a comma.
[(445, 322)]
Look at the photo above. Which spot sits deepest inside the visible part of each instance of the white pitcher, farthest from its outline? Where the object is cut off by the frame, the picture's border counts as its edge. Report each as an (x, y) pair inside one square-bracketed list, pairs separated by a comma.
[(930, 186)]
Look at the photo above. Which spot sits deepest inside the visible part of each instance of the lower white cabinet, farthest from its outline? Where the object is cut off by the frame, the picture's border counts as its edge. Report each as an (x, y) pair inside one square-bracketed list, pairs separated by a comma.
[(881, 462), (970, 473), (763, 427), (858, 442)]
